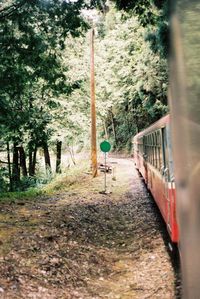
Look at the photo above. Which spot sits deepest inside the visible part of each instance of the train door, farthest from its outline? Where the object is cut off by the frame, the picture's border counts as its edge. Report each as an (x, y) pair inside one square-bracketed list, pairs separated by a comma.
[(166, 174)]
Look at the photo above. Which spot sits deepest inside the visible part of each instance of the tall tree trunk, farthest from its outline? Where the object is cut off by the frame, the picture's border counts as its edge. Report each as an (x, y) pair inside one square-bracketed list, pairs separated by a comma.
[(71, 154), (105, 130), (113, 128), (47, 157), (34, 160), (9, 166), (72, 151), (15, 168), (58, 156), (30, 157), (23, 161)]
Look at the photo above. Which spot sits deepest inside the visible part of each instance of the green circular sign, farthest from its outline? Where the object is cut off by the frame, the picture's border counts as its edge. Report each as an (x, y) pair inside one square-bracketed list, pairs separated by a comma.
[(105, 146)]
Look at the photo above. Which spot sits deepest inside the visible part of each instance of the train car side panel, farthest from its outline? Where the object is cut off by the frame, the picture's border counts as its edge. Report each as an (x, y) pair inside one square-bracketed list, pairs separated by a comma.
[(157, 188), (153, 159)]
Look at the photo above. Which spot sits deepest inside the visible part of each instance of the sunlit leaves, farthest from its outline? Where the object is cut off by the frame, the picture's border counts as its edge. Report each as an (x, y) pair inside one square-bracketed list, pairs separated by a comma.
[(131, 78)]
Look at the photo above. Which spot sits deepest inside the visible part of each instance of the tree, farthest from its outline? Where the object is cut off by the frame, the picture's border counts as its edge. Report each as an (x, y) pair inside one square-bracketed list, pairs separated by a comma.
[(32, 38), (154, 15), (134, 85)]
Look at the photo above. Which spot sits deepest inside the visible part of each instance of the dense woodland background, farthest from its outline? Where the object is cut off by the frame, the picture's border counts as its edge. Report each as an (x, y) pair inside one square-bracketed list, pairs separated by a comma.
[(45, 75)]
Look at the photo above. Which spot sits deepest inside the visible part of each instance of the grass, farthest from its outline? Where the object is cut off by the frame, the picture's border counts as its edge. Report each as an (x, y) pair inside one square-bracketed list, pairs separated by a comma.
[(61, 182), (20, 195), (68, 179)]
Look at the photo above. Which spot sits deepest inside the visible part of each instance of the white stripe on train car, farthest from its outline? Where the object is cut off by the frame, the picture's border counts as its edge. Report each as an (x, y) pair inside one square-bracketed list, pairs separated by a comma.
[(171, 185)]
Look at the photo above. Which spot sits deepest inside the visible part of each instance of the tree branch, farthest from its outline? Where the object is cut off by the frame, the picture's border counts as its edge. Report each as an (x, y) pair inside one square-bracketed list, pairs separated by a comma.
[(8, 11), (3, 162)]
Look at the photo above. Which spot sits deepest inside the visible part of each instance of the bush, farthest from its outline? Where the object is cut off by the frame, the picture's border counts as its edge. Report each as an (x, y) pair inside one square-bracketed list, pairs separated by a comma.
[(4, 179)]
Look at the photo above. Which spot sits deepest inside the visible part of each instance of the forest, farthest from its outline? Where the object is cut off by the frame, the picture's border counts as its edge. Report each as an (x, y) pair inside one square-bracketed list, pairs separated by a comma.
[(45, 80), (65, 232)]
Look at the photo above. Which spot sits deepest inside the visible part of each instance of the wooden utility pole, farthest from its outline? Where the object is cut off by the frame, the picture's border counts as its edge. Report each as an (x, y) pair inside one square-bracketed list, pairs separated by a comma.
[(93, 112)]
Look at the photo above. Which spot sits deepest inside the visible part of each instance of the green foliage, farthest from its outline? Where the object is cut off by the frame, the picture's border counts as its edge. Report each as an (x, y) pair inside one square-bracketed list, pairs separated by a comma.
[(32, 74), (45, 74), (61, 181), (154, 15), (134, 85), (4, 186)]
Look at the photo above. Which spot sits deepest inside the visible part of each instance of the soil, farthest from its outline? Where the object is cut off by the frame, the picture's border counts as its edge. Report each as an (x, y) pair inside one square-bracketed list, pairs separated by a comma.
[(82, 244)]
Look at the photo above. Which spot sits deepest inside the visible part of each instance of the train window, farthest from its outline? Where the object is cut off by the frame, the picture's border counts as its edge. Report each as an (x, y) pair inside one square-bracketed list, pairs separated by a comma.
[(165, 148), (144, 144), (150, 149), (148, 153), (152, 146), (140, 146), (152, 157), (161, 154), (147, 150), (158, 149), (155, 149)]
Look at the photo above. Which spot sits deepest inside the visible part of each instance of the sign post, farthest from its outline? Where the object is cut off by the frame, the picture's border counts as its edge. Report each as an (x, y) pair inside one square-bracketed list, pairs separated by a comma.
[(105, 147)]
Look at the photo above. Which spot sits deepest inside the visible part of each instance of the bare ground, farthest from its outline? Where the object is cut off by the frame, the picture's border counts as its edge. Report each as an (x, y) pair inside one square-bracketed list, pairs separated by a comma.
[(82, 244)]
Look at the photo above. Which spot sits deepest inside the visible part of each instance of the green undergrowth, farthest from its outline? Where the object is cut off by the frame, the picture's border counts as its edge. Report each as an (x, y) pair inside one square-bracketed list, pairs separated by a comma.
[(67, 180), (20, 195), (60, 182)]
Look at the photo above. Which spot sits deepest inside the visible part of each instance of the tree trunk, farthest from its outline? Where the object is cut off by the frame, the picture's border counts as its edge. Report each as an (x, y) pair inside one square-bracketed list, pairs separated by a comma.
[(34, 160), (9, 167), (113, 128), (15, 168), (47, 157), (58, 156), (30, 156), (23, 161), (71, 152), (105, 130)]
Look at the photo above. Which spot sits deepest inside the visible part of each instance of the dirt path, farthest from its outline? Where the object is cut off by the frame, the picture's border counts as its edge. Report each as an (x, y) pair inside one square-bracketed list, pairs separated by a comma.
[(82, 244)]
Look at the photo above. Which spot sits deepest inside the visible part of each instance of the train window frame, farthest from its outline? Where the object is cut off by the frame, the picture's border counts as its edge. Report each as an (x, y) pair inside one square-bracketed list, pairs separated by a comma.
[(151, 144), (155, 149), (153, 157), (140, 145), (148, 152), (161, 158), (165, 148), (158, 149)]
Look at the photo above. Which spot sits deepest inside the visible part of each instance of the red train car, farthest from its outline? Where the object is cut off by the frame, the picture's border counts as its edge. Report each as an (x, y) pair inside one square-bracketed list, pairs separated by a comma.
[(153, 159)]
